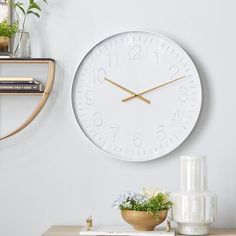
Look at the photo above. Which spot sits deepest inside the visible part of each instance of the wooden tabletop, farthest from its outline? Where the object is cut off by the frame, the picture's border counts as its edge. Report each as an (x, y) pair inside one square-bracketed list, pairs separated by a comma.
[(26, 59), (74, 230), (63, 230)]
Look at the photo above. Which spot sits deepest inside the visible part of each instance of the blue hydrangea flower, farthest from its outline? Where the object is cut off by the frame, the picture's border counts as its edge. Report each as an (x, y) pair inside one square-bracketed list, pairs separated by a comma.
[(126, 198)]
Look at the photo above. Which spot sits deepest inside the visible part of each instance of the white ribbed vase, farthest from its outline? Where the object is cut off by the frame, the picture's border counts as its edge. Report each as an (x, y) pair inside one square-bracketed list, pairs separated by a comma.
[(194, 208)]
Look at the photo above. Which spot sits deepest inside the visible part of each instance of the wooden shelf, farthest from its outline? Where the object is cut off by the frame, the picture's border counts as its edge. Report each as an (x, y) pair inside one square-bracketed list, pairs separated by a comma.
[(21, 94), (26, 60), (44, 95)]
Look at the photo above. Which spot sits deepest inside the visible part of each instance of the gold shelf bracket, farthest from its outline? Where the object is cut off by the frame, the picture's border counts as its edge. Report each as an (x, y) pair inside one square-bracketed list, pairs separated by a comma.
[(45, 94)]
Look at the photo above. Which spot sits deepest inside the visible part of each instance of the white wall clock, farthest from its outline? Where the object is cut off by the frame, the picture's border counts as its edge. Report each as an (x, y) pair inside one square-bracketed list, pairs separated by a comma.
[(137, 95)]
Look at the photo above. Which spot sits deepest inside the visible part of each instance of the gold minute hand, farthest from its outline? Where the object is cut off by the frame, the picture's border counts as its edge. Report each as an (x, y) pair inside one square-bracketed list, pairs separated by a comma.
[(149, 90), (127, 90)]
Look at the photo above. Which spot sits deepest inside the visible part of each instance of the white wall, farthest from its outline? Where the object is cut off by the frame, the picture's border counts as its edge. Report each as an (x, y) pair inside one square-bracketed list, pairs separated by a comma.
[(51, 174)]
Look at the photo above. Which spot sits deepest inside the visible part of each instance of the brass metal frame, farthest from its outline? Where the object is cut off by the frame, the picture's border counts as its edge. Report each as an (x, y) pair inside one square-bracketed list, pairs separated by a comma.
[(45, 94)]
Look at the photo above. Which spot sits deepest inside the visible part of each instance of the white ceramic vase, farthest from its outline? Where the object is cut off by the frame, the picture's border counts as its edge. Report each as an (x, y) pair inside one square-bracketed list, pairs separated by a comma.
[(194, 208)]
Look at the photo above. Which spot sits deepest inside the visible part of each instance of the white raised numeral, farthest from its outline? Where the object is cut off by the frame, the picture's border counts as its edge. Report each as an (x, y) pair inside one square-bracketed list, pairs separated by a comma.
[(183, 94), (175, 117), (112, 59), (135, 52), (90, 97), (114, 132), (99, 75), (174, 70), (156, 56), (97, 119), (160, 133), (137, 140)]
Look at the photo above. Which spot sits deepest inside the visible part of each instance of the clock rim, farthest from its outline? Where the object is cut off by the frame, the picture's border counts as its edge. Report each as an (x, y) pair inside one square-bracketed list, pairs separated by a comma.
[(75, 80)]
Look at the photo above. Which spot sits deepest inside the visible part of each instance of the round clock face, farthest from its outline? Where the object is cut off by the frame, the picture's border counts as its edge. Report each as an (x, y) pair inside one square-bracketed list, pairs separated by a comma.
[(137, 95)]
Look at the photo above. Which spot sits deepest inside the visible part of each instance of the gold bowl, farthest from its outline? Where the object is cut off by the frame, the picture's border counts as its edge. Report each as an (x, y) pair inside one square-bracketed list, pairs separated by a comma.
[(143, 220)]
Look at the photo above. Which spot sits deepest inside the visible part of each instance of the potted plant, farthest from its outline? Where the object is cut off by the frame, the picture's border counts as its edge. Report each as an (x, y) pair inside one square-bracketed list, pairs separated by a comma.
[(144, 211), (7, 30), (22, 11)]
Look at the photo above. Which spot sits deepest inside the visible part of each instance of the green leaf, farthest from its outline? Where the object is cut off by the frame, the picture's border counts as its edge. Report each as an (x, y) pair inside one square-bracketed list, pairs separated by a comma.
[(22, 9), (34, 6), (34, 13), (19, 5)]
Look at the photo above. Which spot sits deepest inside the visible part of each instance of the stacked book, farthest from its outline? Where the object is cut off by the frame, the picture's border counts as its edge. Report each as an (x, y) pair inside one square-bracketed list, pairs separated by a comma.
[(20, 85), (4, 55)]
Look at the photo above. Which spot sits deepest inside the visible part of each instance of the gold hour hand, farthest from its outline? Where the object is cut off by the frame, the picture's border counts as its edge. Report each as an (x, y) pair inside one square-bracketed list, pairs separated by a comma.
[(151, 89), (128, 91)]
